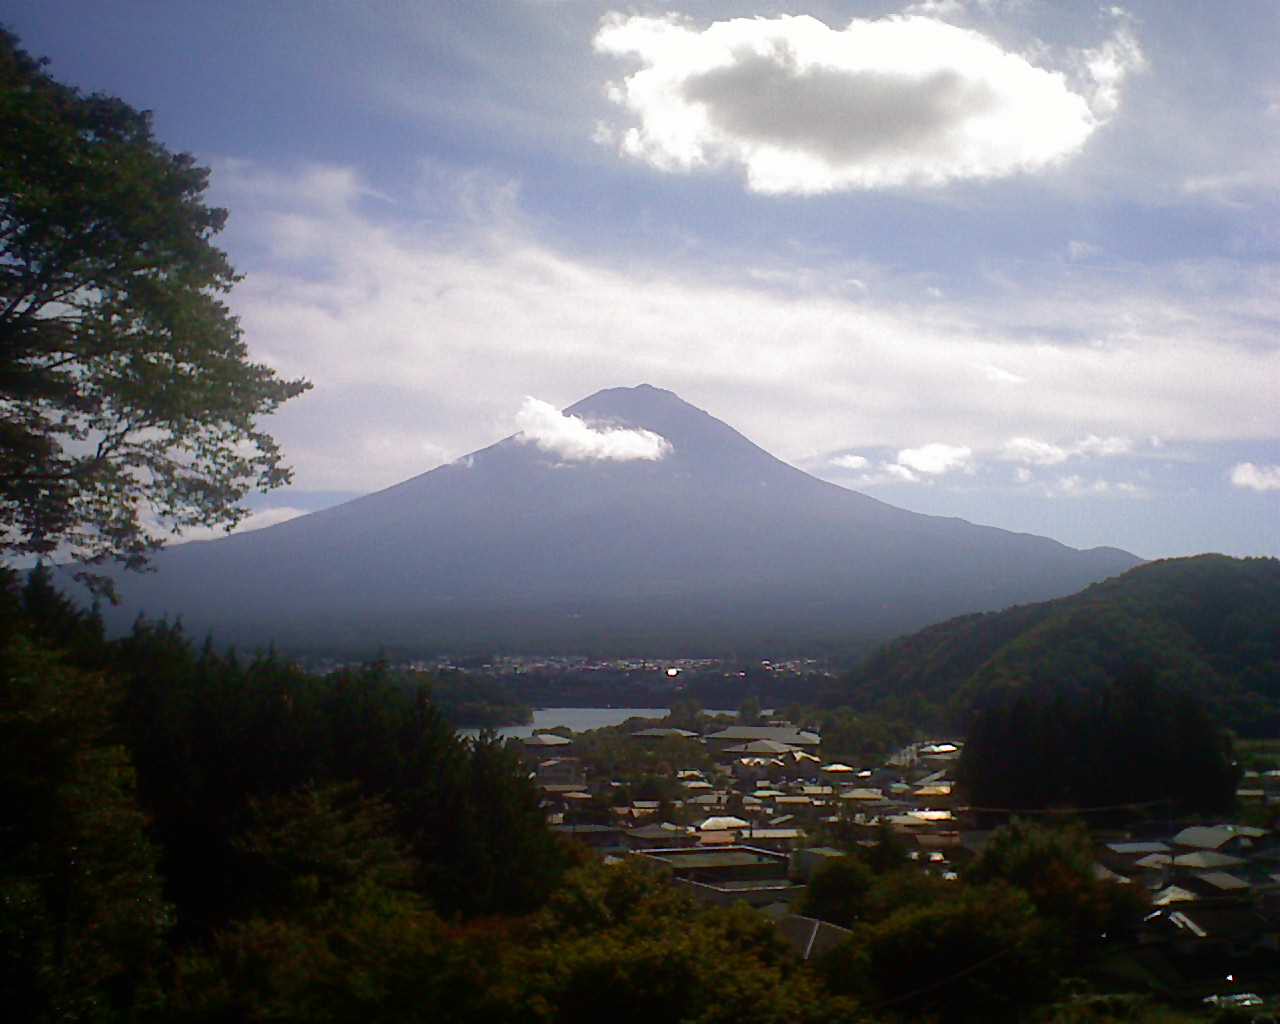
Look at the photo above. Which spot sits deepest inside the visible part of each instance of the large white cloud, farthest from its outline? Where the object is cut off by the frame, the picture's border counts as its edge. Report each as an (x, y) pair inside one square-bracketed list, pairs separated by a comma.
[(907, 100), (575, 440), (1256, 478)]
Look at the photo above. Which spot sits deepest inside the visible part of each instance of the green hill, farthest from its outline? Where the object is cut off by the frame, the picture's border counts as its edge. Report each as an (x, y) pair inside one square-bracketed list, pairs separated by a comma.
[(1208, 624)]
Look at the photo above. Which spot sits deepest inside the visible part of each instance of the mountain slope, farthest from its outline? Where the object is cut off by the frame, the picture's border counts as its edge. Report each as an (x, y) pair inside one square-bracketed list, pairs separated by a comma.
[(717, 547), (1208, 624)]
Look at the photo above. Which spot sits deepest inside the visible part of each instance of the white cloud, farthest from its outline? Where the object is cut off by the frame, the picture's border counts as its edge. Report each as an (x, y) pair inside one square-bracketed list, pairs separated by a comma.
[(900, 473), (1022, 475), (1104, 446), (804, 108), (935, 459), (1033, 452), (1076, 486), (1253, 477), (1111, 63), (573, 439), (935, 8), (850, 462)]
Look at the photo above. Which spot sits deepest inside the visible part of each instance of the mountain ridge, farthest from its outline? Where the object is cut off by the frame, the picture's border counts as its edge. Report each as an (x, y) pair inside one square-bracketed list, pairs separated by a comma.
[(1208, 624), (717, 546)]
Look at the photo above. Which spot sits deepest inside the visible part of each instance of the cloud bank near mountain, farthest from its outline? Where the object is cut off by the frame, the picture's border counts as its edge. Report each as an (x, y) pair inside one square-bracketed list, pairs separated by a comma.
[(573, 439)]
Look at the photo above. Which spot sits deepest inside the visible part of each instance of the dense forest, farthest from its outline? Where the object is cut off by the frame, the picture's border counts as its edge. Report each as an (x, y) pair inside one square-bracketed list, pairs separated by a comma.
[(472, 701), (1208, 626), (196, 836)]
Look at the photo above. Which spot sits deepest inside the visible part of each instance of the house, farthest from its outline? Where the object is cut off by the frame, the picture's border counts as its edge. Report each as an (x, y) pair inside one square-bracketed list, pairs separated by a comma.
[(772, 838), (737, 735), (660, 835), (733, 874), (1231, 839), (560, 771), (542, 744), (1206, 860), (719, 822), (663, 734), (597, 837), (761, 747)]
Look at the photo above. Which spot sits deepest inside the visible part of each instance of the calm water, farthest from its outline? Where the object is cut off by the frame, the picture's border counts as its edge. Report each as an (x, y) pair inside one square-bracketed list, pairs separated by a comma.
[(578, 719)]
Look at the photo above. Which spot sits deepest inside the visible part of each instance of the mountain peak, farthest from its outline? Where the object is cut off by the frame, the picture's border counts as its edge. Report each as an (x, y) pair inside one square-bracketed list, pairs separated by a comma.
[(717, 545), (692, 432), (623, 401)]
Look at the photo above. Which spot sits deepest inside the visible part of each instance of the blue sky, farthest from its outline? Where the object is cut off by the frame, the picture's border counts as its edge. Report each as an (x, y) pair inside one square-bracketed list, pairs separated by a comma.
[(1012, 260)]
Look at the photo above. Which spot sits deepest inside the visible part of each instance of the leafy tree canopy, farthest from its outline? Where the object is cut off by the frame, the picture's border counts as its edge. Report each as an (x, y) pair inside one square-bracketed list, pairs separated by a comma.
[(126, 394), (1207, 625)]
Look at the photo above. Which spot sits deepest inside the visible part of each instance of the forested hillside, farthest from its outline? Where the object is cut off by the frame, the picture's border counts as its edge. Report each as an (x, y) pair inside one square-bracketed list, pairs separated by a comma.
[(196, 837), (1209, 625)]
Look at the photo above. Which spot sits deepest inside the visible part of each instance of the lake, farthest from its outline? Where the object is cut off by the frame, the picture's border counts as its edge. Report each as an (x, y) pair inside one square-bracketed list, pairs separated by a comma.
[(579, 719)]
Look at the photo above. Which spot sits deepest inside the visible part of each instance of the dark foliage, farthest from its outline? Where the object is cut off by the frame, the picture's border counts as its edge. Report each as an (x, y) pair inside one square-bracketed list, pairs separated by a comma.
[(1208, 625), (1130, 741)]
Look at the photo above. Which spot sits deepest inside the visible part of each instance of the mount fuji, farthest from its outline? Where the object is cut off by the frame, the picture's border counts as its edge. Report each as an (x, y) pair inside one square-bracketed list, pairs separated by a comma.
[(706, 545)]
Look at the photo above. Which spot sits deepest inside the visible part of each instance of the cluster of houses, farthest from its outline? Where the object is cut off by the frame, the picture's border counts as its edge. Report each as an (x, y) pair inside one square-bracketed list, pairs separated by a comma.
[(768, 789), (751, 829)]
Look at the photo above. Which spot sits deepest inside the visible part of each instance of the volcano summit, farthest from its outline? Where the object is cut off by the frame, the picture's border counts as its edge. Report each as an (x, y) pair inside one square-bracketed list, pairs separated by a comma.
[(633, 523)]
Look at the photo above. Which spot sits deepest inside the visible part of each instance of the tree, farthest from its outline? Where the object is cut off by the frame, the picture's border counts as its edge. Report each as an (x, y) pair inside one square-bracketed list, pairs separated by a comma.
[(82, 919), (975, 956), (838, 891), (128, 405), (1054, 866)]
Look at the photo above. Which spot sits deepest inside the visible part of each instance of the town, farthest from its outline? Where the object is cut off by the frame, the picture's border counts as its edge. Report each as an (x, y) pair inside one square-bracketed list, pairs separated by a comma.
[(751, 814)]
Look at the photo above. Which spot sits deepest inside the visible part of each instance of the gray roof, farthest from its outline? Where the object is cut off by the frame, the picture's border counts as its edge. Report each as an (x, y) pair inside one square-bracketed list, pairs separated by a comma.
[(782, 734), (1137, 849), (1222, 880), (761, 747), (546, 739), (1206, 859), (1211, 837), (662, 733), (658, 830)]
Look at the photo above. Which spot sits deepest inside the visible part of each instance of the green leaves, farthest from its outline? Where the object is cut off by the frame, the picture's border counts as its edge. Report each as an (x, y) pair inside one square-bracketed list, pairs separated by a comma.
[(128, 403), (82, 921)]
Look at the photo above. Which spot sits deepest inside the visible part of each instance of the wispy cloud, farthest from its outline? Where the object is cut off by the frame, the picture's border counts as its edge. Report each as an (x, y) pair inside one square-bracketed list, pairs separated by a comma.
[(1253, 477), (575, 440), (805, 108), (1034, 452), (434, 312), (1077, 486)]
